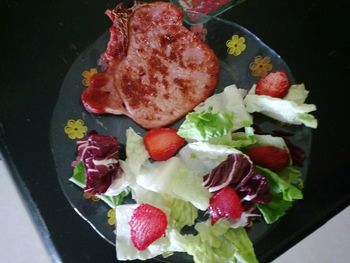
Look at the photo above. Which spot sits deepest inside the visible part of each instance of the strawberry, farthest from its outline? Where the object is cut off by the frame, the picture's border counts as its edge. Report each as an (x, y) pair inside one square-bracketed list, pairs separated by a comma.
[(274, 84), (162, 143), (225, 204), (270, 157), (147, 224)]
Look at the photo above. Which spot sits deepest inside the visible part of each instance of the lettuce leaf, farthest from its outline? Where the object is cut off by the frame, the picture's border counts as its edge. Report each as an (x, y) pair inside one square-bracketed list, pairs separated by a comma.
[(242, 244), (118, 185), (174, 178), (181, 213), (275, 209), (202, 157), (236, 140), (136, 155), (230, 100), (281, 109), (220, 243), (297, 93), (135, 151), (171, 177), (201, 126), (78, 176), (293, 176), (171, 242), (114, 200), (284, 190), (308, 120), (218, 116), (281, 185), (269, 140)]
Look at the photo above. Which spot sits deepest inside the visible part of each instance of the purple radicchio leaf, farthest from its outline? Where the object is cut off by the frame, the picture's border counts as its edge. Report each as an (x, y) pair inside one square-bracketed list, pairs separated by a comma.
[(256, 190), (238, 172), (233, 171), (100, 155)]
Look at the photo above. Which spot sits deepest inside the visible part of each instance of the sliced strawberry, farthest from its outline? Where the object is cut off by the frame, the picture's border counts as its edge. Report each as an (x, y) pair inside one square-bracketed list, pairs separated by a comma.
[(274, 84), (147, 224), (270, 157), (225, 204), (162, 143)]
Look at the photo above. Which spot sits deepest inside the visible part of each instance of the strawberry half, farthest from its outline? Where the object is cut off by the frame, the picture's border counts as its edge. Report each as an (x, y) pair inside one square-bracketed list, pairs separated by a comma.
[(225, 204), (270, 157), (274, 84), (147, 224), (162, 143)]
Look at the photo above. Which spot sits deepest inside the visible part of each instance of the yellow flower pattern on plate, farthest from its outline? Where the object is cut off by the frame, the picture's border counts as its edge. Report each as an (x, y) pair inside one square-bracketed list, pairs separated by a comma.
[(261, 66), (236, 45), (75, 129), (91, 197), (87, 75), (111, 217)]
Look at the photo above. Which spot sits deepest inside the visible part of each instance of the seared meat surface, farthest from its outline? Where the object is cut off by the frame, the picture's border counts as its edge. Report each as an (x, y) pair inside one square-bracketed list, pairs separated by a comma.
[(156, 70)]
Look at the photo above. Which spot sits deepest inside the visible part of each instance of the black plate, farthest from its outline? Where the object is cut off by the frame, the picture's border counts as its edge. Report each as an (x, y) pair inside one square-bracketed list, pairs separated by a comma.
[(241, 68)]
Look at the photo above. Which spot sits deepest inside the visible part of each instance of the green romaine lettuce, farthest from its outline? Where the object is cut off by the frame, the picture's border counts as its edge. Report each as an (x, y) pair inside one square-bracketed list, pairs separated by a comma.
[(293, 176), (114, 200), (201, 126), (275, 209), (236, 140), (284, 189), (78, 176), (218, 116), (281, 185)]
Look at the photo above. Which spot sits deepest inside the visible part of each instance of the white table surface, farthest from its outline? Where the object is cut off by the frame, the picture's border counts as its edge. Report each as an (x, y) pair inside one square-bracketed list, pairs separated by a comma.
[(21, 243)]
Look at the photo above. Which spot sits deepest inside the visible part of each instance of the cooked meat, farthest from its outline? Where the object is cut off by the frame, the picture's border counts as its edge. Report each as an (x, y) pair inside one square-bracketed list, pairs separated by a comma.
[(156, 69)]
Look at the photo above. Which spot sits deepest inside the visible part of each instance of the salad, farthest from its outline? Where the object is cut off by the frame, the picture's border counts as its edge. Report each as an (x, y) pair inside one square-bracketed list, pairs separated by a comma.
[(198, 188)]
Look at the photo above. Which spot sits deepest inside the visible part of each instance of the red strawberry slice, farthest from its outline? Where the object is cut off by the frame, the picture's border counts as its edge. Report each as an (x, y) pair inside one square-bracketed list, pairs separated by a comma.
[(147, 224), (270, 157), (162, 143), (274, 84), (225, 204)]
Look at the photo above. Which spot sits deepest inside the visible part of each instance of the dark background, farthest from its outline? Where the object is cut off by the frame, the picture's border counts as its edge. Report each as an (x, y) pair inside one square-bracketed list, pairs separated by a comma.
[(39, 42)]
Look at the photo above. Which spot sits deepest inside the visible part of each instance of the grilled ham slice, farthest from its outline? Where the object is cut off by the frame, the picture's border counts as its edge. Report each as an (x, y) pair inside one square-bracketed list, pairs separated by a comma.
[(156, 70)]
